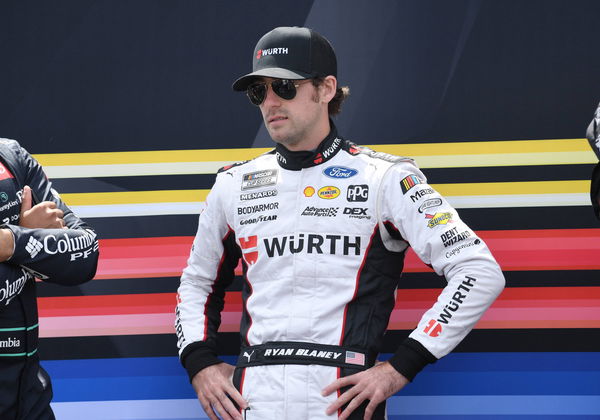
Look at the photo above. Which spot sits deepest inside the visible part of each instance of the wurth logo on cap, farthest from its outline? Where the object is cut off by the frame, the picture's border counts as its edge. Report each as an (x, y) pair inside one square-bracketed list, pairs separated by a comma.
[(270, 51)]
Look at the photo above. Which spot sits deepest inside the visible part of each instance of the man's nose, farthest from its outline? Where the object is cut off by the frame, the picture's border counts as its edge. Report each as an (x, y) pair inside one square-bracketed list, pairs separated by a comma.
[(271, 98)]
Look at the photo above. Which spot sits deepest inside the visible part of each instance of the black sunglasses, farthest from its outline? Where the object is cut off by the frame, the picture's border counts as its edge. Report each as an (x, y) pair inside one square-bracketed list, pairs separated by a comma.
[(284, 88)]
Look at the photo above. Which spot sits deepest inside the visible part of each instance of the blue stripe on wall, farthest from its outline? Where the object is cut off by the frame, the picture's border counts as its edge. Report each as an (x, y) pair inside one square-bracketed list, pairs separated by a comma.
[(419, 408), (461, 385)]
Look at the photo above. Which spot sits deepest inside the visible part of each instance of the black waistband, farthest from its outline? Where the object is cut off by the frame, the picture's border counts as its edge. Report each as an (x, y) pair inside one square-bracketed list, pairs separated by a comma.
[(18, 341), (298, 353)]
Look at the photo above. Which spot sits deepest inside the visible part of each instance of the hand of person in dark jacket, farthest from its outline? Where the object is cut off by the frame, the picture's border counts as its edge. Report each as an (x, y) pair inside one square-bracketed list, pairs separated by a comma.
[(44, 215)]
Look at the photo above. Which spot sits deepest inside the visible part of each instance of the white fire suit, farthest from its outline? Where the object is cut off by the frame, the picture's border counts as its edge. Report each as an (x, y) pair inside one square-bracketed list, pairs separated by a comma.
[(322, 237)]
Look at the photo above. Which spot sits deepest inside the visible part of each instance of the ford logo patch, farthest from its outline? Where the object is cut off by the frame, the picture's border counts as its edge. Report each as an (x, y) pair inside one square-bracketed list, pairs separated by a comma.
[(339, 172)]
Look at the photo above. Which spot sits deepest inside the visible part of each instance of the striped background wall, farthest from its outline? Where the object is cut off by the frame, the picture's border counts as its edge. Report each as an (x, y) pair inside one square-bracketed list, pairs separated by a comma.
[(109, 344)]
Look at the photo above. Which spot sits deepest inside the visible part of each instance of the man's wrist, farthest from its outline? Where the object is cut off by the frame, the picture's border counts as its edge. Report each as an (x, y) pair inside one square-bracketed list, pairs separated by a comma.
[(197, 356), (410, 358)]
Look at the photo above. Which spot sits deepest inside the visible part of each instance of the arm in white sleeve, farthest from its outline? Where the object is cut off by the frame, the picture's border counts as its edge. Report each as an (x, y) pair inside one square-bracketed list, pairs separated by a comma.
[(424, 219), (210, 270)]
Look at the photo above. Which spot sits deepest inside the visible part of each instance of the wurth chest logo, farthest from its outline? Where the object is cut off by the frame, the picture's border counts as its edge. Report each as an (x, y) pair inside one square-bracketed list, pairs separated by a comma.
[(271, 51), (249, 247), (312, 243), (33, 246)]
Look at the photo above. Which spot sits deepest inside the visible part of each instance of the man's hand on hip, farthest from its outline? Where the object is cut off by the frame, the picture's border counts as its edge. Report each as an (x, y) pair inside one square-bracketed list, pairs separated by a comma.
[(375, 384), (214, 387)]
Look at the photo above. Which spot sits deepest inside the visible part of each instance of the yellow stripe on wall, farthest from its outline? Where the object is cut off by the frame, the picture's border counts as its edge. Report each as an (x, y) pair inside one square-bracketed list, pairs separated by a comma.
[(157, 156), (575, 151), (135, 197), (447, 190), (485, 147), (512, 188)]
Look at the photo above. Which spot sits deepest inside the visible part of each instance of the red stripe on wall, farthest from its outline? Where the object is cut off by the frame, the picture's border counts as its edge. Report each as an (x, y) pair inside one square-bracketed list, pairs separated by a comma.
[(551, 249), (405, 299), (578, 306)]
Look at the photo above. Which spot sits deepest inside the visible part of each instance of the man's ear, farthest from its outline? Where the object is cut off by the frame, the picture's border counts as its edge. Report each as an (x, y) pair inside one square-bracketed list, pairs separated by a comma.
[(328, 89)]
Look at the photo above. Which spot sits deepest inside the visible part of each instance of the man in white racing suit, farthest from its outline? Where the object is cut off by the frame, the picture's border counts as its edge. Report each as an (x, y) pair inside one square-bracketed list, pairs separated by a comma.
[(321, 226)]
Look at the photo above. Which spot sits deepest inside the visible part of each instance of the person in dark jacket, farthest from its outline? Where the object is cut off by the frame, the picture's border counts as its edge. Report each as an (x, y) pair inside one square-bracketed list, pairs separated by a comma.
[(593, 136), (40, 237)]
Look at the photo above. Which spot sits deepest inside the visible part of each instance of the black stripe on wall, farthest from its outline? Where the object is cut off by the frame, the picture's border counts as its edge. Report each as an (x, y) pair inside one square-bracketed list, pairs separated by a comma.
[(479, 340)]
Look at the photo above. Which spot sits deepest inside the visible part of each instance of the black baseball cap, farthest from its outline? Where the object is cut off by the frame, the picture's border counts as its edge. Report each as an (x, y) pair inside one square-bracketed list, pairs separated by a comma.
[(290, 53)]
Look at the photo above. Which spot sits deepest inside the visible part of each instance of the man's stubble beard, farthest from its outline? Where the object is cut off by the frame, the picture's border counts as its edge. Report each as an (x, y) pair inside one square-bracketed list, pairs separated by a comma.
[(296, 138), (291, 139)]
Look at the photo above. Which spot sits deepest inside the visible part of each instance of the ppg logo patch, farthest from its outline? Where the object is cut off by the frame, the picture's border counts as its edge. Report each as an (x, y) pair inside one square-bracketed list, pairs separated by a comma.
[(357, 193)]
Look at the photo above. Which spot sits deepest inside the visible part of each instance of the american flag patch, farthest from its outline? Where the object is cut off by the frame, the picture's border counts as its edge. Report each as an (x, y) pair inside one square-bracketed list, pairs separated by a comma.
[(355, 358)]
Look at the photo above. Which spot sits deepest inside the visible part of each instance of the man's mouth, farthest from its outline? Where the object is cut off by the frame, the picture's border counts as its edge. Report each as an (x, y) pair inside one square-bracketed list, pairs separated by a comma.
[(276, 118)]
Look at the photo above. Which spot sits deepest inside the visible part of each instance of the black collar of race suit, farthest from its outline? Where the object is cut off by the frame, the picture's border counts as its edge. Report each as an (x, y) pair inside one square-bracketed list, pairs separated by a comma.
[(295, 161)]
